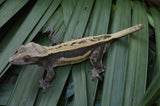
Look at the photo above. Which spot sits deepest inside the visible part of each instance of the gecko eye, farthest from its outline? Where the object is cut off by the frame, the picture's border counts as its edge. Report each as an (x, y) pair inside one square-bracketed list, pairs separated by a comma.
[(26, 58)]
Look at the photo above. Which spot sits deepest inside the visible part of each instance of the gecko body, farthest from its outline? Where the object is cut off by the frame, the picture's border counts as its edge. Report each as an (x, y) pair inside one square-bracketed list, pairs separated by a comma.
[(70, 52)]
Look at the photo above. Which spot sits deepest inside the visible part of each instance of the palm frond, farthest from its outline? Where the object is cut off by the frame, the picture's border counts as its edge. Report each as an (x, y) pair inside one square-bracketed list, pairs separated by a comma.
[(48, 22)]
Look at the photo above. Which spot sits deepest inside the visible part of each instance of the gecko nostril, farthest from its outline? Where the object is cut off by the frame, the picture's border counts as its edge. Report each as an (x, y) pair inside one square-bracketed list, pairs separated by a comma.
[(10, 60)]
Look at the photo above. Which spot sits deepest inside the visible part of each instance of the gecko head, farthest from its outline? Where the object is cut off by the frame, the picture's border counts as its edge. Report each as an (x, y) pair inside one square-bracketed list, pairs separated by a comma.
[(27, 54)]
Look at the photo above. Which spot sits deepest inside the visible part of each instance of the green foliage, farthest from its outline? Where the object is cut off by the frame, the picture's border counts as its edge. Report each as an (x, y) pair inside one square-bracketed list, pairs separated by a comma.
[(53, 21), (116, 61)]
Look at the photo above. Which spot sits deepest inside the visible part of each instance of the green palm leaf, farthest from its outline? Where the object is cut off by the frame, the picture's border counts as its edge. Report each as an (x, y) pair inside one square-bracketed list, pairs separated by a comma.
[(53, 21)]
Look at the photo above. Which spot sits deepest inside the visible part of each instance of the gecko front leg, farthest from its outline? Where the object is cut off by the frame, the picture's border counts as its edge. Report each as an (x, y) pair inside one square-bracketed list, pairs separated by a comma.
[(45, 83), (96, 60)]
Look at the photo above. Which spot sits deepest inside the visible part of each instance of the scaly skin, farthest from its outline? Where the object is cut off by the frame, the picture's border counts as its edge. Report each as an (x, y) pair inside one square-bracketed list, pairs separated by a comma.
[(70, 52)]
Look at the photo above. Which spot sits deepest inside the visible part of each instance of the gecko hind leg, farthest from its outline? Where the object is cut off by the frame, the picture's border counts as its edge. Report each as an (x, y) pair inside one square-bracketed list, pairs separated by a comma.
[(96, 60), (45, 83)]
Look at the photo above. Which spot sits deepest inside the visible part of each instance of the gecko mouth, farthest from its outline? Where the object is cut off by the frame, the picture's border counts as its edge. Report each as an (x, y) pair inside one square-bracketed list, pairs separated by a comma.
[(17, 62), (11, 60)]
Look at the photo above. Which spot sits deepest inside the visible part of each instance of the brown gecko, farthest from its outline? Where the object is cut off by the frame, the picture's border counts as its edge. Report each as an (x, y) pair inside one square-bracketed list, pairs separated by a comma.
[(70, 52)]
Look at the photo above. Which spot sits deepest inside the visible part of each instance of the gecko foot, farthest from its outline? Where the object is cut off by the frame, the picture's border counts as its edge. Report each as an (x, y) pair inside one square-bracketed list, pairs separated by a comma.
[(95, 73), (44, 85)]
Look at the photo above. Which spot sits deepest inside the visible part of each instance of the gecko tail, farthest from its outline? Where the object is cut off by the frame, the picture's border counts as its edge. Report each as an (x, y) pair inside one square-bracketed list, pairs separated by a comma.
[(127, 31)]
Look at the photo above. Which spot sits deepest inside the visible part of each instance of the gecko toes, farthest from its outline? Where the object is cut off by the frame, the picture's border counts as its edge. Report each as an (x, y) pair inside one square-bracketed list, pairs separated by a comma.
[(96, 73), (99, 77), (92, 78), (43, 85)]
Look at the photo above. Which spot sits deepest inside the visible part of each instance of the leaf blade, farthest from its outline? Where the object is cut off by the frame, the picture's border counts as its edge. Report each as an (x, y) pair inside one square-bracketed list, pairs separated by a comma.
[(9, 9), (138, 57), (153, 91), (114, 81)]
